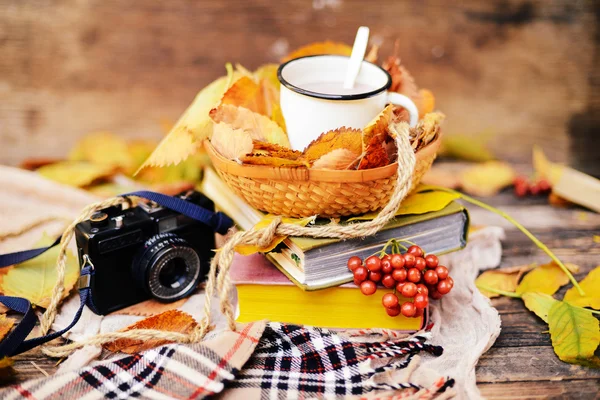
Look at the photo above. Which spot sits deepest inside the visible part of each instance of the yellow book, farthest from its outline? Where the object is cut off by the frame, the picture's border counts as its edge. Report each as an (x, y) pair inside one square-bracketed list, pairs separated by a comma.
[(263, 292)]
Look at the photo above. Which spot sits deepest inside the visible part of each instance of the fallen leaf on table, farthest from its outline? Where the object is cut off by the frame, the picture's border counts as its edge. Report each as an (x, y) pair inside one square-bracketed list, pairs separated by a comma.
[(596, 238), (103, 148), (539, 303), (337, 159), (441, 176), (6, 369), (466, 147), (591, 286), (76, 173), (575, 334), (546, 278), (258, 126), (6, 325), (263, 223), (417, 203), (32, 164), (192, 127), (545, 169), (35, 279), (231, 143), (557, 201), (171, 321), (318, 48), (505, 279), (341, 138), (487, 179), (150, 307)]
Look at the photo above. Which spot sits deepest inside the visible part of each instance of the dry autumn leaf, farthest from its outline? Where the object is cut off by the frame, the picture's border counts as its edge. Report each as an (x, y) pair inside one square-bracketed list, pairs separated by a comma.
[(341, 138), (273, 161), (274, 150), (192, 127), (263, 223), (318, 48), (575, 334), (337, 159), (171, 321), (539, 303), (467, 147), (103, 148), (231, 143), (441, 176), (417, 203), (402, 81), (35, 279), (150, 307), (6, 370), (591, 286), (375, 153), (76, 173), (426, 102), (547, 278), (487, 179), (258, 126), (6, 325), (504, 279)]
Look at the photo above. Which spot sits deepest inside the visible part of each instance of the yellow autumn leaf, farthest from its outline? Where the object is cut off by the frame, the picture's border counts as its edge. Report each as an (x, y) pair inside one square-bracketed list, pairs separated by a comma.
[(263, 223), (6, 325), (76, 173), (539, 303), (505, 279), (575, 334), (258, 126), (467, 147), (487, 179), (231, 143), (103, 148), (269, 73), (545, 169), (139, 151), (35, 279), (193, 126), (547, 278), (591, 286), (318, 48), (7, 372), (417, 203)]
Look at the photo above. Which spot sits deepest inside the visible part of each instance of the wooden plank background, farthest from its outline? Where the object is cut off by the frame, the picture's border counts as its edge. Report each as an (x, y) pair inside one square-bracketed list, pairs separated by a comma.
[(523, 70)]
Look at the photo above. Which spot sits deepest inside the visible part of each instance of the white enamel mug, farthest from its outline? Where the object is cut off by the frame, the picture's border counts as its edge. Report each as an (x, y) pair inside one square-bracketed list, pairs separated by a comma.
[(308, 114)]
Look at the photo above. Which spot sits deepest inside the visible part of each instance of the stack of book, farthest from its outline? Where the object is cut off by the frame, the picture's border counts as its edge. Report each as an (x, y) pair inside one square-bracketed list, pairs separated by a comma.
[(306, 280)]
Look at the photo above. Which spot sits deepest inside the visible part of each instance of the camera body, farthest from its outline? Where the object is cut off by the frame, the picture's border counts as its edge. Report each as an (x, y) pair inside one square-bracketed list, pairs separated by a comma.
[(145, 252)]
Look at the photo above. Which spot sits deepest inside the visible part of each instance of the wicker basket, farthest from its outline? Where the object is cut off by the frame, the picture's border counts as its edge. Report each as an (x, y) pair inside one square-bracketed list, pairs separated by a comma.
[(303, 192)]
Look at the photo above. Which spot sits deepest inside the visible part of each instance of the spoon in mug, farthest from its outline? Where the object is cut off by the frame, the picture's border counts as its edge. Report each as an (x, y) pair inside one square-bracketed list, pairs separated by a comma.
[(357, 56)]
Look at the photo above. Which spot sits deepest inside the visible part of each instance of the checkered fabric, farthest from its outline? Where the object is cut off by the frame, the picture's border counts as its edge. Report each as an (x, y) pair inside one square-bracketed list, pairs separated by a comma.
[(259, 361), (294, 362), (167, 372)]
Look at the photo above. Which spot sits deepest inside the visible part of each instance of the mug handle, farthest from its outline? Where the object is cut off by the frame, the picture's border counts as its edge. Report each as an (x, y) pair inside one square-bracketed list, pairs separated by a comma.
[(403, 101)]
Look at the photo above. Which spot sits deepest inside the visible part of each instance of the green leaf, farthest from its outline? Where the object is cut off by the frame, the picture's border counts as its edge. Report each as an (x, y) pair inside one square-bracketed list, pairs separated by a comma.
[(547, 278), (591, 286), (539, 303), (35, 279), (575, 334)]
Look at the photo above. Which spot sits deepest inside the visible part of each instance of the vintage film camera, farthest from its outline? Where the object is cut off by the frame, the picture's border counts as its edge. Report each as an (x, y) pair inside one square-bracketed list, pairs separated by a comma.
[(145, 252)]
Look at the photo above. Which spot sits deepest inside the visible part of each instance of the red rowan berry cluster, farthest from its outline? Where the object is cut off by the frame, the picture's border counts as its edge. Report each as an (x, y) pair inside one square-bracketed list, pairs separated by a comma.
[(413, 275), (524, 187)]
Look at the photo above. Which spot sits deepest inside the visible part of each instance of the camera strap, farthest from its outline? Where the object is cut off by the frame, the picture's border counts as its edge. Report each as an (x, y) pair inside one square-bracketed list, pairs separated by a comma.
[(15, 342)]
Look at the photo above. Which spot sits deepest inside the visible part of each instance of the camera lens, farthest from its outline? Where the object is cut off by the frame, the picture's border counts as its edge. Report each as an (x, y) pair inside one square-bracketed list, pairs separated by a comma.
[(168, 268)]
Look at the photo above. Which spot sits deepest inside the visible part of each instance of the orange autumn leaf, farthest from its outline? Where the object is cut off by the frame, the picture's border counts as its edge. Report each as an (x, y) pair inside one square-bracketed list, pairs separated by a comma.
[(341, 138), (376, 130), (313, 49), (426, 103), (337, 159), (274, 150), (272, 161), (6, 325), (150, 307), (245, 92), (375, 156), (402, 81), (171, 321)]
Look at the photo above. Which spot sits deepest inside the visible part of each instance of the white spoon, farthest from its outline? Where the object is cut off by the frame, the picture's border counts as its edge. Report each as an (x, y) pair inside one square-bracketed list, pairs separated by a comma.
[(357, 56)]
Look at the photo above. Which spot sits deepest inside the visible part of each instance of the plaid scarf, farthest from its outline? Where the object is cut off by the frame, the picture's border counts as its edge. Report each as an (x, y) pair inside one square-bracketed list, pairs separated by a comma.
[(258, 361)]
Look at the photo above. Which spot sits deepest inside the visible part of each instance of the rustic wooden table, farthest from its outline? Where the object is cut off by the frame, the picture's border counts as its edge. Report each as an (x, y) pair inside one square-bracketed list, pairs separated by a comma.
[(521, 364)]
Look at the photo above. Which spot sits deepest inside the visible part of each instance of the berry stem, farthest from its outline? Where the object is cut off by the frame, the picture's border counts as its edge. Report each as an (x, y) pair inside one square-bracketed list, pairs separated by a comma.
[(535, 240), (409, 242), (498, 291)]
